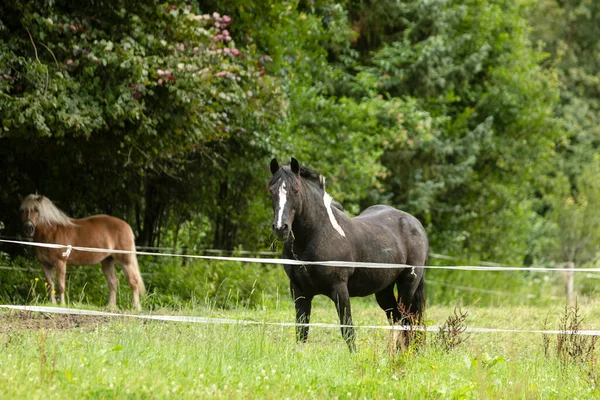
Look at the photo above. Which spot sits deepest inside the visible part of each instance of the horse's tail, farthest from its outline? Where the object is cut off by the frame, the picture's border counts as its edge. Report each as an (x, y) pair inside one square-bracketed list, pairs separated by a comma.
[(138, 276), (418, 303), (135, 267)]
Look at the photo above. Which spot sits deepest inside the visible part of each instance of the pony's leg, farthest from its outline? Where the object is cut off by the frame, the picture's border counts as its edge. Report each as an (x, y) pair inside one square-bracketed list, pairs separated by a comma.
[(303, 306), (388, 303), (131, 273), (108, 267), (47, 268), (341, 298), (61, 274)]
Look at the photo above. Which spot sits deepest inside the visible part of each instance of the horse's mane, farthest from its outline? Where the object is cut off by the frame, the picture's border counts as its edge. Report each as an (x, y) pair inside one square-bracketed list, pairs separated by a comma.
[(307, 173), (49, 214), (311, 176)]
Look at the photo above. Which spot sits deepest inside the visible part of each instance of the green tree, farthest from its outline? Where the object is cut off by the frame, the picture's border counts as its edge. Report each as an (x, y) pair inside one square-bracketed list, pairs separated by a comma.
[(110, 104), (569, 31), (575, 226), (473, 123)]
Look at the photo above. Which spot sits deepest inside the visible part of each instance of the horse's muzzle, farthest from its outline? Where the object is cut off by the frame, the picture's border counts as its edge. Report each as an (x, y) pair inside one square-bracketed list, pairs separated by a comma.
[(282, 232), (28, 228)]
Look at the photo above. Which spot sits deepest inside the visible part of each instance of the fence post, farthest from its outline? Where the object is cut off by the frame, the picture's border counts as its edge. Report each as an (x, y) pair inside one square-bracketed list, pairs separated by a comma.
[(184, 260), (570, 282)]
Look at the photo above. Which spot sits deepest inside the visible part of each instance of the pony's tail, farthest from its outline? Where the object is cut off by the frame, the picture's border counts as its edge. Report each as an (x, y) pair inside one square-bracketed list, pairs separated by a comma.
[(138, 276), (418, 303)]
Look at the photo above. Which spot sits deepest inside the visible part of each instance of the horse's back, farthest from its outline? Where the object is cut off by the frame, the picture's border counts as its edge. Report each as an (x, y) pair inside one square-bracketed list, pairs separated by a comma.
[(107, 230), (103, 221), (402, 227), (382, 211)]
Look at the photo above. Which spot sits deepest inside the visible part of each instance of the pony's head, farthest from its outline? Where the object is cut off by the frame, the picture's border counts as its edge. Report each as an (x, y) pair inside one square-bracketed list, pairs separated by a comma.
[(38, 210), (30, 213), (287, 193)]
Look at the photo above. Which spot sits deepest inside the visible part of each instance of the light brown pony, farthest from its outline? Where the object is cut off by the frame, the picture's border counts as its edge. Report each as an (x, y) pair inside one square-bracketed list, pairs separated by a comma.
[(43, 221)]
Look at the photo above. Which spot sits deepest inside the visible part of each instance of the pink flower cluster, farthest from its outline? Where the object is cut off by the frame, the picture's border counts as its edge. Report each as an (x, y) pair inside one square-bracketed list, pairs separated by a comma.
[(222, 22), (233, 51), (166, 74), (227, 50), (137, 94), (226, 74), (223, 36), (77, 28)]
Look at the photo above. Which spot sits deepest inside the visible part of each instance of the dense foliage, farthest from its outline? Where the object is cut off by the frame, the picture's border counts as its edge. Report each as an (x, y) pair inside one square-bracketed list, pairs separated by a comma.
[(479, 117), (120, 116)]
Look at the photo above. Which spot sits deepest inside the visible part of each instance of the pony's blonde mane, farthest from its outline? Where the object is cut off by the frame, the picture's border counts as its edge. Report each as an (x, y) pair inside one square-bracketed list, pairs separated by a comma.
[(49, 214)]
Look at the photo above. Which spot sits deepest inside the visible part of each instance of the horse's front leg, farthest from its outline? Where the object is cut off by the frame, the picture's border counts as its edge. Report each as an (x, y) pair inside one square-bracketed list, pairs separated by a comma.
[(61, 274), (341, 298), (47, 268), (303, 306)]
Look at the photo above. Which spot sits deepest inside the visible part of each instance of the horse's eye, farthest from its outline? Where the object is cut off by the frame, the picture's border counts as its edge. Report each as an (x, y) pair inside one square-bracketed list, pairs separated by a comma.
[(35, 209)]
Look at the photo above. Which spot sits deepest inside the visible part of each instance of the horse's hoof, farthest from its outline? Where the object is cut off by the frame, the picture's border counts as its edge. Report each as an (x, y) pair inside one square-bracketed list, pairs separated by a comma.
[(301, 346)]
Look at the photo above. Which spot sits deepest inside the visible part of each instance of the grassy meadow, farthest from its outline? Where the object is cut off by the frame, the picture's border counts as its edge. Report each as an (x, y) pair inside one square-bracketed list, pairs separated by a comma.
[(56, 356)]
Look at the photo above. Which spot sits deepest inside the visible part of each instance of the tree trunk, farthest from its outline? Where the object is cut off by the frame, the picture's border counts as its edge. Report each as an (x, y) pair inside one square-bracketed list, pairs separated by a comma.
[(151, 215)]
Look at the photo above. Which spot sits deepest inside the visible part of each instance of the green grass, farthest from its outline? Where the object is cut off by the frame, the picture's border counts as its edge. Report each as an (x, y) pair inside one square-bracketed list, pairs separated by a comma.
[(128, 358)]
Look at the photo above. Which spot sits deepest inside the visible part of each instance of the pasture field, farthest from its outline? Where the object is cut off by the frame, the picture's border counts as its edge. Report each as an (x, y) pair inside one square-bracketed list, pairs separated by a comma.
[(58, 356)]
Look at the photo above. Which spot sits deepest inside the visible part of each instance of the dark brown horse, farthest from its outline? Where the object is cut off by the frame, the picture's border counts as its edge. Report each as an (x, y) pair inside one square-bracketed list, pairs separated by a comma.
[(43, 221), (314, 228)]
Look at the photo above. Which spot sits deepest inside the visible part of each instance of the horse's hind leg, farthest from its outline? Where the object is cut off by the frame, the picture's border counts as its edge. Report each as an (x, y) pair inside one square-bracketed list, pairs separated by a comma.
[(388, 303), (131, 271), (47, 268), (410, 302), (108, 267), (341, 298)]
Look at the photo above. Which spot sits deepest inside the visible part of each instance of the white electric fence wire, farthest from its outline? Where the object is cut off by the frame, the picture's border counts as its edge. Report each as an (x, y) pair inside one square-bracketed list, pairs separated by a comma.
[(229, 321), (429, 282), (342, 264)]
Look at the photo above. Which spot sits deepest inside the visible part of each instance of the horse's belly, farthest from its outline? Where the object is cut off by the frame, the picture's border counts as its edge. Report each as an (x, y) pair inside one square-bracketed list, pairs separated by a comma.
[(365, 282)]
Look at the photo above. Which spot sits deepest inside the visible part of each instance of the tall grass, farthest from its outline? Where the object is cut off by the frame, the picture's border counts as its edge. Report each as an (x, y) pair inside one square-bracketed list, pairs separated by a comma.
[(123, 358)]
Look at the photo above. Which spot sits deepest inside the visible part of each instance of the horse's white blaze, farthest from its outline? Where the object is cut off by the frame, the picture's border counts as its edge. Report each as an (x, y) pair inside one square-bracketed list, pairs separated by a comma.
[(282, 201), (327, 200)]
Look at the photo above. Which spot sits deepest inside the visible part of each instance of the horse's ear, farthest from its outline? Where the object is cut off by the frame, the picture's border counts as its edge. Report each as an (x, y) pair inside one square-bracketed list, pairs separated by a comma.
[(295, 166), (20, 197), (274, 166)]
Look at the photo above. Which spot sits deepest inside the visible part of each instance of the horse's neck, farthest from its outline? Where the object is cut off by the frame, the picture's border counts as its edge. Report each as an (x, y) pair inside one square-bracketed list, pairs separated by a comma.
[(315, 221), (47, 233)]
